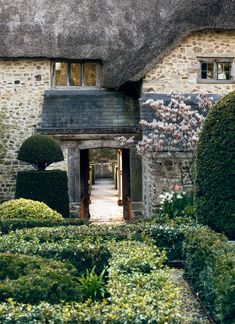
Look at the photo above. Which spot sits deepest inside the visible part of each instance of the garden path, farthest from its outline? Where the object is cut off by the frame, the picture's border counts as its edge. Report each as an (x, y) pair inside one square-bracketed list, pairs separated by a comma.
[(104, 207)]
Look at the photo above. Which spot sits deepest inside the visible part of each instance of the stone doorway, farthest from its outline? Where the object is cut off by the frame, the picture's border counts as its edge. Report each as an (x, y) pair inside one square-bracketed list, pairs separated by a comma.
[(105, 185), (78, 167)]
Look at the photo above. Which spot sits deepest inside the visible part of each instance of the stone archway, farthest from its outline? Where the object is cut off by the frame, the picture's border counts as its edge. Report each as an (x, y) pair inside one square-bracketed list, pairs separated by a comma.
[(78, 168)]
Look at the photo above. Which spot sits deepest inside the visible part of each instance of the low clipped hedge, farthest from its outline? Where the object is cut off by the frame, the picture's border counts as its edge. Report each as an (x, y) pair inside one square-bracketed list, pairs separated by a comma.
[(27, 209), (139, 289), (34, 279), (210, 268), (57, 243), (50, 187), (135, 264), (7, 225)]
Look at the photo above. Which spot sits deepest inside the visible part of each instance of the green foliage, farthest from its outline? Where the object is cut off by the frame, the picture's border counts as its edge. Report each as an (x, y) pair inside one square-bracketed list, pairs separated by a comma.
[(28, 210), (7, 225), (139, 298), (92, 285), (137, 285), (168, 237), (57, 243), (175, 204), (215, 171), (210, 267), (40, 151), (50, 187), (33, 279)]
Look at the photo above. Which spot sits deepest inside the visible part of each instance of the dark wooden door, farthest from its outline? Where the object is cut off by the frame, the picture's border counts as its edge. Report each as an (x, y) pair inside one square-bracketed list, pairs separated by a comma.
[(126, 189), (84, 181)]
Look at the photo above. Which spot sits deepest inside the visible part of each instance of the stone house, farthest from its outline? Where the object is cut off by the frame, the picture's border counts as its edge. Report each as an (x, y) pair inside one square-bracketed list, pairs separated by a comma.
[(79, 70)]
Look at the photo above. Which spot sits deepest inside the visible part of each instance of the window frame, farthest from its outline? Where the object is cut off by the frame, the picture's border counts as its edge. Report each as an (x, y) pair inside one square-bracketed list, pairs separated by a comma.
[(82, 75), (215, 61)]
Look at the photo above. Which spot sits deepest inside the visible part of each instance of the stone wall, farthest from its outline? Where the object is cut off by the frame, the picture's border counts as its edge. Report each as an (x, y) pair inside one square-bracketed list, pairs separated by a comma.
[(22, 84), (161, 174), (178, 71)]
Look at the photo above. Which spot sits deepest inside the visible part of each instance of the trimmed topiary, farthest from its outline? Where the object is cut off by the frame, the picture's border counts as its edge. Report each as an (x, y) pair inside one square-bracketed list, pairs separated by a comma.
[(27, 209), (215, 170), (50, 187), (40, 151)]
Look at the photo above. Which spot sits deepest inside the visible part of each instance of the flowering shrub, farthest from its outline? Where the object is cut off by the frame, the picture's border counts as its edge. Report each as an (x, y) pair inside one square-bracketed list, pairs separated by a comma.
[(27, 209), (174, 204), (174, 129)]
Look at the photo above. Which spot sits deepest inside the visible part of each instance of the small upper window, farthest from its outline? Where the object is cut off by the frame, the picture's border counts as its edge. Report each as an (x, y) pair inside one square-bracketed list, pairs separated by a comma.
[(76, 74), (216, 70)]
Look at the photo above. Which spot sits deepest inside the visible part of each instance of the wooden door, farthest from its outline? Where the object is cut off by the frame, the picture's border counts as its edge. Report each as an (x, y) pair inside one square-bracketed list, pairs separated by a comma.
[(84, 181), (126, 189)]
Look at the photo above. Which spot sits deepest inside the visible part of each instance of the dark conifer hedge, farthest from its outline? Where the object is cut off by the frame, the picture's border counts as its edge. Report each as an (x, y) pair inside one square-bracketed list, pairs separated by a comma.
[(215, 171), (50, 187)]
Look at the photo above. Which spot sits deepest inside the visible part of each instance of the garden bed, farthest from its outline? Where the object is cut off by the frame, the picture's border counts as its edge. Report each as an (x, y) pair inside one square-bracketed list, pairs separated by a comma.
[(139, 285)]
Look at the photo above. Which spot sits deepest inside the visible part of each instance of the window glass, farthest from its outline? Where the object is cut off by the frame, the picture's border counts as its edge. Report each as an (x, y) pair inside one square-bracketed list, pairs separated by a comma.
[(75, 74), (90, 74), (60, 74), (207, 70), (223, 71)]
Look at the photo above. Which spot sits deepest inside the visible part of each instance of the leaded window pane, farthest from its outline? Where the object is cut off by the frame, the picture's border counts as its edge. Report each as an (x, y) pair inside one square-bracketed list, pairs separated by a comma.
[(207, 70), (60, 74), (224, 71), (90, 74), (75, 74)]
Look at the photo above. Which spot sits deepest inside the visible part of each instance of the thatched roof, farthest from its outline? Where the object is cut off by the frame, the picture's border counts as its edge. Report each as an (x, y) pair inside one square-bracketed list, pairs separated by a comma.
[(127, 35)]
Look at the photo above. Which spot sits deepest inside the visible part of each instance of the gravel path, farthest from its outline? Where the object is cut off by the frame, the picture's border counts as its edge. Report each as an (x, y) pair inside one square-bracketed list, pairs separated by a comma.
[(191, 308)]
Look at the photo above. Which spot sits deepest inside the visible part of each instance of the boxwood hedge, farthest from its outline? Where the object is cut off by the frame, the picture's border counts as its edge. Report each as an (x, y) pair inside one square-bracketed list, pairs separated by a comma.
[(139, 288), (210, 268)]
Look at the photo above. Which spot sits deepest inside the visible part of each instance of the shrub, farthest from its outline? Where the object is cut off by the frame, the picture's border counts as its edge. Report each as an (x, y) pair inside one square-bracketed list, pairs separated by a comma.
[(168, 237), (210, 267), (40, 151), (33, 279), (7, 225), (82, 251), (215, 171), (27, 209), (50, 187), (139, 298)]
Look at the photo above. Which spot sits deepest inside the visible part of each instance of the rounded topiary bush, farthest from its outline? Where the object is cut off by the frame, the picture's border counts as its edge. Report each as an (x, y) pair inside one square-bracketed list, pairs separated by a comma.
[(40, 151), (50, 187), (27, 209), (215, 169)]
